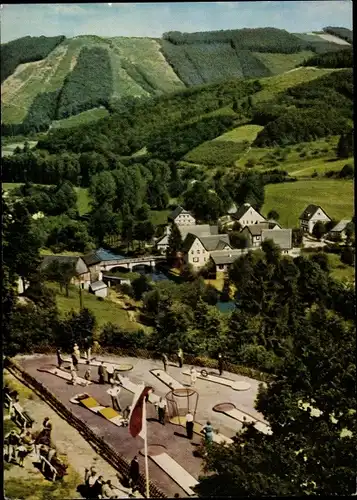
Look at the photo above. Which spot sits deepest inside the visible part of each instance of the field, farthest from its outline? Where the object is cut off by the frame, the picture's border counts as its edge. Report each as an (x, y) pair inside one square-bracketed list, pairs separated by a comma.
[(158, 217), (240, 134), (336, 197), (8, 149), (104, 310), (279, 63), (319, 165), (81, 119), (217, 154)]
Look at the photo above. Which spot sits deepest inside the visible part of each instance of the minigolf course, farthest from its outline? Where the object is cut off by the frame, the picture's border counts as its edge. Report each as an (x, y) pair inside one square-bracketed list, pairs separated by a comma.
[(158, 454), (232, 411), (65, 375), (236, 385), (130, 386), (197, 427), (167, 379), (91, 404), (124, 367)]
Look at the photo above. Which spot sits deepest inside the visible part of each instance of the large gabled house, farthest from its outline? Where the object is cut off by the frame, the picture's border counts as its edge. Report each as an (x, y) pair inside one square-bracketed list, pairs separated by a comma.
[(311, 215), (82, 278), (246, 215), (181, 217), (198, 230), (197, 249)]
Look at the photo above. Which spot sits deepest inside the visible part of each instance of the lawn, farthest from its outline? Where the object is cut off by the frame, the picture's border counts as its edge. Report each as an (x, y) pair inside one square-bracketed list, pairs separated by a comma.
[(240, 134), (83, 200), (82, 118), (104, 310), (336, 197), (319, 165), (158, 217), (338, 270)]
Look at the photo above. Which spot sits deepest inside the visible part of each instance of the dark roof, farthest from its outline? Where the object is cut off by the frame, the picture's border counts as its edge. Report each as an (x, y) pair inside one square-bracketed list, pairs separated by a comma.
[(242, 210), (175, 213), (48, 259), (310, 212), (187, 244), (256, 229)]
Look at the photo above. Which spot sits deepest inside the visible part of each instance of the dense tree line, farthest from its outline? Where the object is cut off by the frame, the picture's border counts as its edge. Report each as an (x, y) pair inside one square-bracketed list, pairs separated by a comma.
[(134, 121), (254, 39), (344, 33), (307, 111), (178, 140), (84, 88), (340, 59), (39, 116), (24, 50)]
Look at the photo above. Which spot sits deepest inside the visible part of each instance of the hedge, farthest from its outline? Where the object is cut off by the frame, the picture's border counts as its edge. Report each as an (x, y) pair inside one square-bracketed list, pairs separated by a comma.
[(188, 358)]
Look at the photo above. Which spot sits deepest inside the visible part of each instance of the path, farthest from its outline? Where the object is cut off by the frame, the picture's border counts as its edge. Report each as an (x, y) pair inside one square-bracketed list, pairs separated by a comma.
[(68, 441)]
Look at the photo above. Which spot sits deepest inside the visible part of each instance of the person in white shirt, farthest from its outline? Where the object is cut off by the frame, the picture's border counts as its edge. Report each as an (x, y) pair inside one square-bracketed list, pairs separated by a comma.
[(189, 425), (110, 371), (114, 392), (161, 408), (193, 375)]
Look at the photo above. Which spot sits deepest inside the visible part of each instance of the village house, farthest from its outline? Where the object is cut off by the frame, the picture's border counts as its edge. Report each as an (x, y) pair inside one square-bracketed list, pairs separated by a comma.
[(338, 232), (198, 230), (181, 217), (247, 215), (311, 215), (253, 232), (223, 259), (197, 249), (281, 237), (82, 277)]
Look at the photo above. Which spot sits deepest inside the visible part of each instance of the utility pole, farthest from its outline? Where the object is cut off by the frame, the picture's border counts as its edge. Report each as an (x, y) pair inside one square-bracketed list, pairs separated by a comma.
[(80, 298)]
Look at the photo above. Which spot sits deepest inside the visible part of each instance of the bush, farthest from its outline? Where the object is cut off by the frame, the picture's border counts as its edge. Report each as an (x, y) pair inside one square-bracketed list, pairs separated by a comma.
[(114, 336), (348, 256)]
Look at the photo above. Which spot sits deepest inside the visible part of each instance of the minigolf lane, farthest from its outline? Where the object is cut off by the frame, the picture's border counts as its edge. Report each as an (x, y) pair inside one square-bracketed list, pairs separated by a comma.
[(158, 454), (124, 367), (105, 411), (165, 378), (65, 375), (234, 384), (232, 411)]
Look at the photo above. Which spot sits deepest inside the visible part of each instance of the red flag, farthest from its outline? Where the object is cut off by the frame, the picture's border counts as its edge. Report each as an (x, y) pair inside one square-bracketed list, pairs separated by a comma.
[(136, 413)]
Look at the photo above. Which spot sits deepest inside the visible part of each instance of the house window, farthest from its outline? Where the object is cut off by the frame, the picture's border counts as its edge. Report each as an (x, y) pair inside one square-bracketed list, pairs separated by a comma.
[(198, 251), (192, 251), (221, 266), (195, 259), (204, 258)]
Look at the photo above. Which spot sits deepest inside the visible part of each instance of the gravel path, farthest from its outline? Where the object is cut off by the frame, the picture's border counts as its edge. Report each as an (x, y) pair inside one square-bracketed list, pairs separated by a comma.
[(67, 440)]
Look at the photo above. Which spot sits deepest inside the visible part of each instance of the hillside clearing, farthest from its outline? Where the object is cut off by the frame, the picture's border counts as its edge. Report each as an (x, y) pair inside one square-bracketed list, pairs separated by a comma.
[(240, 134), (280, 63), (81, 119), (104, 310), (336, 197)]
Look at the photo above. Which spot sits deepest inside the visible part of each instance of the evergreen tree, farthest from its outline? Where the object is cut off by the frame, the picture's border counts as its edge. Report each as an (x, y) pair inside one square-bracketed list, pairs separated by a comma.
[(174, 243)]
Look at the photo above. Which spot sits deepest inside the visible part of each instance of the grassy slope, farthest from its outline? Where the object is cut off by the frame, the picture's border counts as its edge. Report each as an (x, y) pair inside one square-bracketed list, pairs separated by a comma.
[(290, 199), (104, 310), (279, 63), (240, 134), (275, 84), (20, 89), (81, 119)]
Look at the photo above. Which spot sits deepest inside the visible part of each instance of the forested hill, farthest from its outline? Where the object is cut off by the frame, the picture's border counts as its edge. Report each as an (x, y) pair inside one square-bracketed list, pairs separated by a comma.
[(48, 79)]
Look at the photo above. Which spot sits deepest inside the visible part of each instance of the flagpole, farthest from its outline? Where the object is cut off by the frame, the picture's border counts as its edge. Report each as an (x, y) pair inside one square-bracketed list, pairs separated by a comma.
[(146, 451)]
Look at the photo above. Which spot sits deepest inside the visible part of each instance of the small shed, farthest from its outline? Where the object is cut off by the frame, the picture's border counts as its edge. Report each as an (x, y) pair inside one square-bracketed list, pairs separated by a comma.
[(99, 288)]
